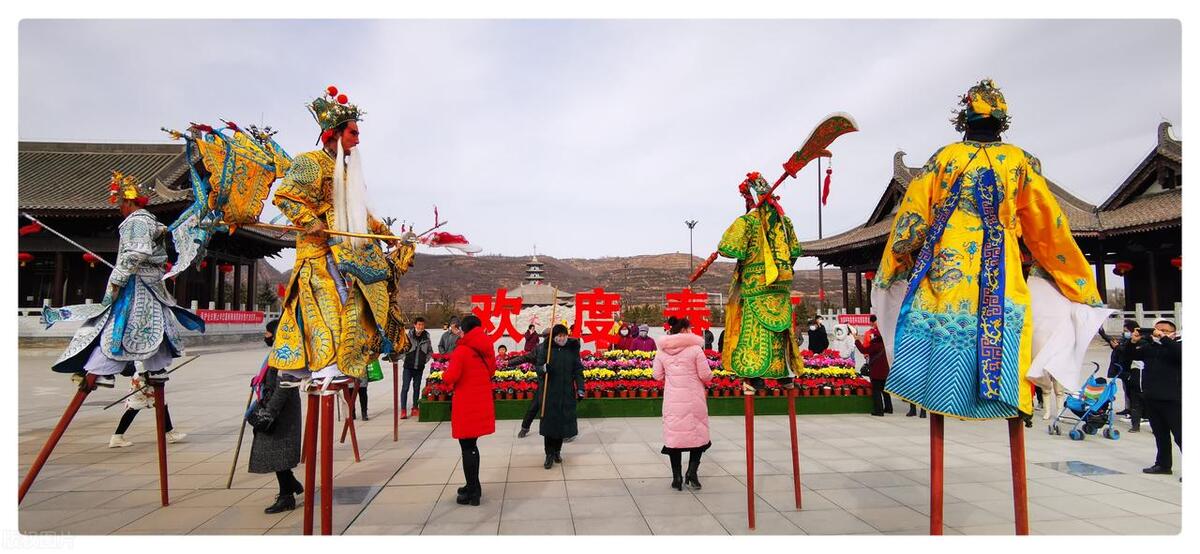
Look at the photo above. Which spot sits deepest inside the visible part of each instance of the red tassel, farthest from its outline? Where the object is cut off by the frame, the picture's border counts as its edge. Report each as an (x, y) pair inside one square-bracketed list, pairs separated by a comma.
[(825, 193)]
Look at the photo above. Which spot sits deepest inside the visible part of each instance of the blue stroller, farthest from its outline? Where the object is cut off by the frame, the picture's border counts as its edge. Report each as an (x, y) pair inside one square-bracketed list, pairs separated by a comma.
[(1090, 409)]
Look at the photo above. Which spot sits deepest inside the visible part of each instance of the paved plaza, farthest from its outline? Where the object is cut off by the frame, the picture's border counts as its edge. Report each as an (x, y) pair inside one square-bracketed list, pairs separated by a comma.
[(861, 474)]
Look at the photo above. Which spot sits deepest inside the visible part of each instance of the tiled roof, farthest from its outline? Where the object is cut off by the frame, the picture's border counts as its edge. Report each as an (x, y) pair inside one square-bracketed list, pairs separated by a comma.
[(1164, 209), (1168, 148), (75, 176)]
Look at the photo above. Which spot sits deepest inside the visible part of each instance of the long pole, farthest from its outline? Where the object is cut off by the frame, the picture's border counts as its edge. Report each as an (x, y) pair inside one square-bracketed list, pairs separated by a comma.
[(549, 343), (160, 411), (85, 387), (238, 451), (69, 241), (820, 235), (691, 225), (1016, 445)]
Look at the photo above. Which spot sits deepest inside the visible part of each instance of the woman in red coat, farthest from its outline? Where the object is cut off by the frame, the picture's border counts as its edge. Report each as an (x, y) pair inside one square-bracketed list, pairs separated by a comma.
[(872, 346), (472, 411)]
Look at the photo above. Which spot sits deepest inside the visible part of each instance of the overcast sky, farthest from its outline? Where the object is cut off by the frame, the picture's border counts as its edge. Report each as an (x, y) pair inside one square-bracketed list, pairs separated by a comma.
[(599, 138)]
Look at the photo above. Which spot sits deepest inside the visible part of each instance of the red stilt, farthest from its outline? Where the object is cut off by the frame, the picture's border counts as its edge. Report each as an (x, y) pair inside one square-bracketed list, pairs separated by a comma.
[(350, 394), (160, 422), (749, 410), (326, 464), (395, 401), (1016, 446), (795, 443), (937, 427), (309, 453), (86, 386)]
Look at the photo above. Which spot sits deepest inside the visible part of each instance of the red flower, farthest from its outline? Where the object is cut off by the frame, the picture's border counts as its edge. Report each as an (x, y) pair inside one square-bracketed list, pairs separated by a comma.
[(342, 99), (332, 90)]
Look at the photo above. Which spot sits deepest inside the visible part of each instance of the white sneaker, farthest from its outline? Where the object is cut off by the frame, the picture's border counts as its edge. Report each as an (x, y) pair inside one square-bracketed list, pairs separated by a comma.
[(107, 381), (175, 436), (118, 441)]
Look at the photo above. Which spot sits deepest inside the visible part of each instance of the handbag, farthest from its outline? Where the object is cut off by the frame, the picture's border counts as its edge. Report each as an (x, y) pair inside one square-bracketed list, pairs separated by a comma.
[(259, 416), (374, 372)]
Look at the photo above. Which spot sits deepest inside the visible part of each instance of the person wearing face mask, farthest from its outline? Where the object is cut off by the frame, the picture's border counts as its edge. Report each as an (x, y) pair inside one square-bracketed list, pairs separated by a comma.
[(643, 342), (531, 339), (563, 389), (1122, 367), (627, 335), (818, 339), (1162, 388), (276, 445), (450, 338)]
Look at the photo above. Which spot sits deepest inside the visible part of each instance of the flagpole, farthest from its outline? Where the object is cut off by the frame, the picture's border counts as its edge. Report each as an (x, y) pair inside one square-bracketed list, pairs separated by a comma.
[(820, 235), (69, 241)]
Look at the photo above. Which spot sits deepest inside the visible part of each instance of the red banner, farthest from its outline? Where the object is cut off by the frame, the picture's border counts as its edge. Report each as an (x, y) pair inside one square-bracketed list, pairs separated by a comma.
[(856, 320), (230, 317), (486, 307)]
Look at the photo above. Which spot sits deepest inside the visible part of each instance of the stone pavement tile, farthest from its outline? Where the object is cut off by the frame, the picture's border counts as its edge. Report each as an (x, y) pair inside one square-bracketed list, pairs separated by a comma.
[(395, 514), (848, 465), (765, 523), (1136, 503), (890, 519), (587, 507), (1004, 509), (73, 500), (36, 521), (877, 479), (761, 467), (1174, 520), (859, 498), (669, 505), (719, 503), (1064, 527), (1166, 495), (492, 474), (1079, 507), (536, 489), (1139, 526), (489, 508), (623, 525), (203, 530), (172, 520), (539, 473), (1000, 529), (202, 468), (572, 471), (92, 483), (828, 522), (815, 481), (386, 530), (535, 509), (429, 471), (596, 488), (784, 499), (585, 459), (1004, 489), (487, 527), (897, 463), (649, 486), (408, 494), (510, 526), (218, 498), (1073, 485), (293, 522), (918, 495), (964, 514), (241, 517), (638, 471), (1138, 482), (701, 524), (528, 460)]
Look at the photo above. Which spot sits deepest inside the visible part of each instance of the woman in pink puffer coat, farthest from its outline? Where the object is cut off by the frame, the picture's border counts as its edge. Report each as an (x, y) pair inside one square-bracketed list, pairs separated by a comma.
[(681, 362)]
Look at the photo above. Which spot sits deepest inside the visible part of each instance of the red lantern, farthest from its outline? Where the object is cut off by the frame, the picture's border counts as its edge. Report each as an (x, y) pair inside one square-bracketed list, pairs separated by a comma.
[(203, 264), (280, 291), (29, 229), (332, 90), (870, 275), (1177, 261), (1121, 268), (225, 268), (342, 99), (24, 257), (90, 258)]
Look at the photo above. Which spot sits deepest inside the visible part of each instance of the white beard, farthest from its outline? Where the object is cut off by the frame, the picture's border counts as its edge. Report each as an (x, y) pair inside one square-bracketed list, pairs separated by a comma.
[(349, 195)]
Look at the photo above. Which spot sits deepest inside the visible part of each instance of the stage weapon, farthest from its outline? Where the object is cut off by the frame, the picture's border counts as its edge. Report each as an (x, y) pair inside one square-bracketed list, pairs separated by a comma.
[(69, 241), (816, 146), (549, 345), (237, 452), (146, 386)]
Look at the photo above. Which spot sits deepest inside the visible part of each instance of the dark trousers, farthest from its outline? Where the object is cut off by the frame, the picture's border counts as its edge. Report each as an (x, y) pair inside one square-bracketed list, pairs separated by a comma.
[(1133, 401), (288, 483), (362, 398), (881, 399), (410, 377), (553, 445), (130, 413), (1166, 418), (470, 462), (532, 412)]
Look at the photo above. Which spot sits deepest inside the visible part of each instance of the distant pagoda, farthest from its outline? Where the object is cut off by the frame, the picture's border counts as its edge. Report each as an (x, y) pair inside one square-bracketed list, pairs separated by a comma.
[(534, 271)]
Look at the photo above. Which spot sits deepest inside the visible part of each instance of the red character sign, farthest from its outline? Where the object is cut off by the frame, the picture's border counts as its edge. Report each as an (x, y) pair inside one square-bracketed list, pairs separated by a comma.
[(594, 316), (486, 307), (690, 305)]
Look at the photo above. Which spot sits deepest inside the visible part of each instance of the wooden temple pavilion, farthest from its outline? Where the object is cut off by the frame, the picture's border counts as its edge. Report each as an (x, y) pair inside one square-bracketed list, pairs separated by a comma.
[(65, 185), (1138, 231)]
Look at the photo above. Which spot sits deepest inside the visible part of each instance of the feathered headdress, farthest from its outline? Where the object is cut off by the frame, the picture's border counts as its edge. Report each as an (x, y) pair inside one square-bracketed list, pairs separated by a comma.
[(126, 187), (982, 101), (332, 109)]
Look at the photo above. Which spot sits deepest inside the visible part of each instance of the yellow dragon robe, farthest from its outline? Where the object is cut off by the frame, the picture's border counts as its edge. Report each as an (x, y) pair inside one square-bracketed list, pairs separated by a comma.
[(337, 298)]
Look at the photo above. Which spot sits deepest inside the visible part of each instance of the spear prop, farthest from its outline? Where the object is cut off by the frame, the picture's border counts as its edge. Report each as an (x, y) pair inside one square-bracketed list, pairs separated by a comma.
[(144, 387), (816, 146), (549, 344), (69, 241)]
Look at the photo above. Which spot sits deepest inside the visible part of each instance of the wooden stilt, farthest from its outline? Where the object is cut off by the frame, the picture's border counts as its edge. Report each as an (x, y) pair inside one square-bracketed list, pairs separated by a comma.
[(749, 410), (309, 454), (1016, 446), (791, 401), (937, 426), (85, 387), (351, 394), (327, 403), (160, 422), (395, 401)]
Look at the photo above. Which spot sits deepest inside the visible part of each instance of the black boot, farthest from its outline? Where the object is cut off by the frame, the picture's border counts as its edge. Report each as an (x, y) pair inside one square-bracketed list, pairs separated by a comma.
[(471, 495), (691, 479), (676, 470), (922, 413), (283, 503), (549, 461), (912, 410)]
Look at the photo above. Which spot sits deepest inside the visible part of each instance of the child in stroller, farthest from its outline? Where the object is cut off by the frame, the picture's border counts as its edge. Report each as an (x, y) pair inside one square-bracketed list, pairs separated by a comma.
[(1090, 409)]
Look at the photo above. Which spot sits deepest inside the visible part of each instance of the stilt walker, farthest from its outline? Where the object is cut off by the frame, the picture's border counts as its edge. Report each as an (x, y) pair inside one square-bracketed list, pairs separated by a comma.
[(959, 324), (350, 393), (134, 322), (759, 341)]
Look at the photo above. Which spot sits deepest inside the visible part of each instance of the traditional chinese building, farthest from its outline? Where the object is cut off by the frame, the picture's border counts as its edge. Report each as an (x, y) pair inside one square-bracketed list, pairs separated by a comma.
[(534, 271), (1139, 227), (65, 186)]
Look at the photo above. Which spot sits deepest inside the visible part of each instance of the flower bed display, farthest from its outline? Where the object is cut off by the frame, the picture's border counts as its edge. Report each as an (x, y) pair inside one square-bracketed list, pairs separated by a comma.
[(629, 374)]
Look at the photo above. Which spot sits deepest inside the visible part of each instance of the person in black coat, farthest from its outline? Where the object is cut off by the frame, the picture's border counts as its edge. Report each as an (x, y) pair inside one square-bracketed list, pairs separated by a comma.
[(1162, 388), (276, 448), (1122, 366), (563, 388), (818, 339), (420, 349), (708, 339)]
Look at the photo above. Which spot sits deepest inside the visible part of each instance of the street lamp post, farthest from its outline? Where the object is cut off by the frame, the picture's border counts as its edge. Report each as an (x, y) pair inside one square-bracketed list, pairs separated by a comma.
[(691, 224)]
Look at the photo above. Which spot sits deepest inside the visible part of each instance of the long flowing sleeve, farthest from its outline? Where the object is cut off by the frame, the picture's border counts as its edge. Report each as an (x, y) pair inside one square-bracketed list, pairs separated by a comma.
[(295, 196), (735, 243), (136, 245), (1047, 234), (910, 226)]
